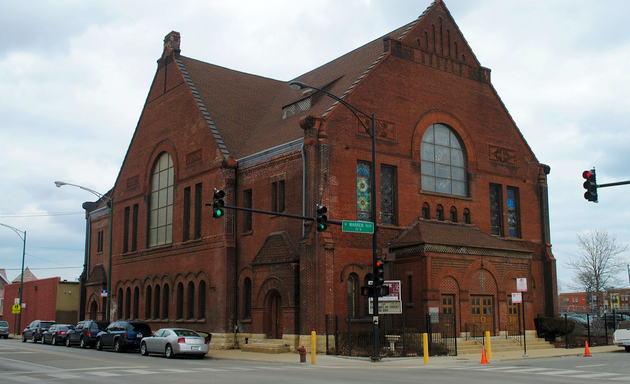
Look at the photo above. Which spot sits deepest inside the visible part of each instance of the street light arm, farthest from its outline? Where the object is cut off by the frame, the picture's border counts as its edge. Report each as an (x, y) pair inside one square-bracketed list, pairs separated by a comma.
[(22, 234), (101, 196), (297, 85)]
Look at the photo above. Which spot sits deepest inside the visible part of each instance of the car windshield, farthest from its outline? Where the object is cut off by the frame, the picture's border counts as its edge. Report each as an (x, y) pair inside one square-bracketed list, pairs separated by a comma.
[(4, 324), (186, 333)]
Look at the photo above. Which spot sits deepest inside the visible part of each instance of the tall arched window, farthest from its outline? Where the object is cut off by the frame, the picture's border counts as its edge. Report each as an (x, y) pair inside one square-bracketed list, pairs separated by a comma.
[(165, 301), (180, 301), (443, 162), (136, 302), (161, 209), (127, 314), (201, 300), (119, 310), (247, 298), (191, 300), (148, 301), (156, 303), (353, 295)]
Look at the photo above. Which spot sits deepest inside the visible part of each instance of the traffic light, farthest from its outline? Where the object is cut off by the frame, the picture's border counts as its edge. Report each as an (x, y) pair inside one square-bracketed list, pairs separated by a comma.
[(367, 291), (590, 184), (321, 218), (218, 203), (379, 274)]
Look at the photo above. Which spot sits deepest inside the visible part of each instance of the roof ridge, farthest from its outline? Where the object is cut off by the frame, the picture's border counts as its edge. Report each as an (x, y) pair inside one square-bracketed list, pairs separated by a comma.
[(202, 107)]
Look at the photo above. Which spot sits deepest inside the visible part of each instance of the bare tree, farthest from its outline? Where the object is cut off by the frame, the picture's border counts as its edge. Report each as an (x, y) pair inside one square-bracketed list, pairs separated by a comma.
[(599, 264)]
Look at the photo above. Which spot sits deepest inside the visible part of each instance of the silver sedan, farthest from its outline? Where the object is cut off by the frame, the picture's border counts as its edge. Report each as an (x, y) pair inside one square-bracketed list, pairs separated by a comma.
[(175, 341)]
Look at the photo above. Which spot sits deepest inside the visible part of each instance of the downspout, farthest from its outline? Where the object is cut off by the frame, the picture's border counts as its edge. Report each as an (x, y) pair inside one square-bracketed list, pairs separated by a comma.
[(236, 255), (303, 185)]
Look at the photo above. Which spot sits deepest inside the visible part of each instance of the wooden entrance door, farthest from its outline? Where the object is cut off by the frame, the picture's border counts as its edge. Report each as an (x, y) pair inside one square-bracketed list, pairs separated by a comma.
[(273, 323), (513, 311), (482, 315)]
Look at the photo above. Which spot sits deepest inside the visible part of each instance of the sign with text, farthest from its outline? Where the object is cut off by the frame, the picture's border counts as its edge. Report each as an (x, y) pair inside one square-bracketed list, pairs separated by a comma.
[(387, 307), (517, 297), (104, 293), (357, 226), (521, 284)]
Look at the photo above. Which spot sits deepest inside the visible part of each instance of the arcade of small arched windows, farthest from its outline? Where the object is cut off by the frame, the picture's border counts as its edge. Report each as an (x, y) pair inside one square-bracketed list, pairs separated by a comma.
[(440, 215), (163, 300)]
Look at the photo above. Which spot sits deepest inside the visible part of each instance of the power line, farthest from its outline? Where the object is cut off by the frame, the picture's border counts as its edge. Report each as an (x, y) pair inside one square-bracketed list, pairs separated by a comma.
[(40, 214)]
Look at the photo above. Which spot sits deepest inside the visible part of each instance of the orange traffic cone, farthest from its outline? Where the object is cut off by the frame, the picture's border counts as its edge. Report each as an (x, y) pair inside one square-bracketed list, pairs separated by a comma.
[(484, 358), (587, 353)]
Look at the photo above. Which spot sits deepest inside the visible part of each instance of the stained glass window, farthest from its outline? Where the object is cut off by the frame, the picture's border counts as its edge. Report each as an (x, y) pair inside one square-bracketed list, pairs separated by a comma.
[(443, 165), (495, 210), (512, 212), (161, 210), (363, 191), (388, 194)]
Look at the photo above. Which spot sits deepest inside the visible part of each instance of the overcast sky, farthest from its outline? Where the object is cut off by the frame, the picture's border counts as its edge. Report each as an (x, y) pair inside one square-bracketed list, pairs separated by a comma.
[(75, 76)]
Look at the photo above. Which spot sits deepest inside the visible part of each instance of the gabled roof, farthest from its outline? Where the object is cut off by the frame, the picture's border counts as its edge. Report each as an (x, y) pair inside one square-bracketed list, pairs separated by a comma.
[(457, 238), (278, 248), (28, 276), (244, 111)]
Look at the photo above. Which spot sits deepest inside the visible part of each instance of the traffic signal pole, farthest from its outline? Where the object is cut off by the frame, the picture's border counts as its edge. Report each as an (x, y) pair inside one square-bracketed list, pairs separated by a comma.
[(333, 222)]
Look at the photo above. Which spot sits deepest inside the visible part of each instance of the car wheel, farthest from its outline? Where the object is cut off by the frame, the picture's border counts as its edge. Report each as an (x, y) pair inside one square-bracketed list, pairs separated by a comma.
[(33, 338), (54, 340), (23, 338), (82, 343), (169, 352), (68, 343), (118, 347), (143, 349), (628, 349), (99, 346)]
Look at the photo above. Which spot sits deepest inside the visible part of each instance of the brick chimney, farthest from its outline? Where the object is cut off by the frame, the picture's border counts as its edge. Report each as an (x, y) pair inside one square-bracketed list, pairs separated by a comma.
[(171, 44)]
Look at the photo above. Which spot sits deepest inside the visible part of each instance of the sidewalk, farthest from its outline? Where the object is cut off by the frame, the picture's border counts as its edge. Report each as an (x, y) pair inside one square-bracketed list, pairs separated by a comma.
[(340, 361)]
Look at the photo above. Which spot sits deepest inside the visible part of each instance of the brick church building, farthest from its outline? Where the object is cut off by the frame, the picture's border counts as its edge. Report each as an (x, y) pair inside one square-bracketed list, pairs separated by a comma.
[(461, 199)]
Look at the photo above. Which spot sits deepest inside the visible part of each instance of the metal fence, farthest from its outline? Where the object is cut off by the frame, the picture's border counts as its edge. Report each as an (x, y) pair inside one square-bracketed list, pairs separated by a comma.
[(399, 335), (573, 330)]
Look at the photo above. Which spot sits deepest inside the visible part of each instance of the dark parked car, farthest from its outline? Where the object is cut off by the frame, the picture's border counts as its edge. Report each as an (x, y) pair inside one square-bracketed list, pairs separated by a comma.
[(4, 329), (123, 335), (84, 334), (36, 329), (56, 334)]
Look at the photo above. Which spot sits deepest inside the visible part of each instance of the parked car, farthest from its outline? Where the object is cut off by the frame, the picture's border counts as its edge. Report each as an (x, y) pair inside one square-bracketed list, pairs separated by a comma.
[(621, 336), (4, 329), (84, 333), (122, 335), (56, 334), (35, 330), (175, 341)]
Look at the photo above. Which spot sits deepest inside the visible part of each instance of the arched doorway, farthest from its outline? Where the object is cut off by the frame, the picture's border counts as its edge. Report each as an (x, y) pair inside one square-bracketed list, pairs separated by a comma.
[(273, 315), (93, 310)]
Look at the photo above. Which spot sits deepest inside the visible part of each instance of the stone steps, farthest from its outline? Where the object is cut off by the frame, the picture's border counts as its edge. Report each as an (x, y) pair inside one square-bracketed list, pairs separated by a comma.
[(266, 346), (501, 345)]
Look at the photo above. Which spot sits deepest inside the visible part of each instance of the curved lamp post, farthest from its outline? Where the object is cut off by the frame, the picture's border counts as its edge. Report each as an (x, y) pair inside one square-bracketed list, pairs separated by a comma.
[(297, 85), (22, 235), (101, 197)]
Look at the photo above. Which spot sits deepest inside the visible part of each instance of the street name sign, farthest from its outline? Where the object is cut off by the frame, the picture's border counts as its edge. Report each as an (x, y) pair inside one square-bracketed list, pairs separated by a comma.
[(357, 226)]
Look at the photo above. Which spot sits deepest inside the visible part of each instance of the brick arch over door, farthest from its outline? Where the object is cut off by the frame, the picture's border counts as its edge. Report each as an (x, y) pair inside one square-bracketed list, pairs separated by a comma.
[(270, 284)]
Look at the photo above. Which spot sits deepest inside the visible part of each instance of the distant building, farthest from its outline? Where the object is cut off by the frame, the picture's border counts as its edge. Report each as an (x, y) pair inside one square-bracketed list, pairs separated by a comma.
[(3, 281), (43, 299)]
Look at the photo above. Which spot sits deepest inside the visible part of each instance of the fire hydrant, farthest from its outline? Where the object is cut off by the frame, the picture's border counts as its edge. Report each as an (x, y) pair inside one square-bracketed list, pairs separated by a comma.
[(302, 351)]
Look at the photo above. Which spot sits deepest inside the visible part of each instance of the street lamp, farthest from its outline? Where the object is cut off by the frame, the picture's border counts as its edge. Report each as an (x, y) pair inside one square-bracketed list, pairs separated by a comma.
[(59, 184), (297, 85), (23, 237)]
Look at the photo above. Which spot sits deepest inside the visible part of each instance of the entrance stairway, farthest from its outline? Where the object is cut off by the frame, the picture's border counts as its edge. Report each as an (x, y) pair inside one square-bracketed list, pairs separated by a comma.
[(266, 346), (500, 344)]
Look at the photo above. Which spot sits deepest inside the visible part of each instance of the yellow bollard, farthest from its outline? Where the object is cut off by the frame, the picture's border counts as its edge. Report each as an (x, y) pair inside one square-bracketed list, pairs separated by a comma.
[(313, 346), (425, 347), (489, 346)]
